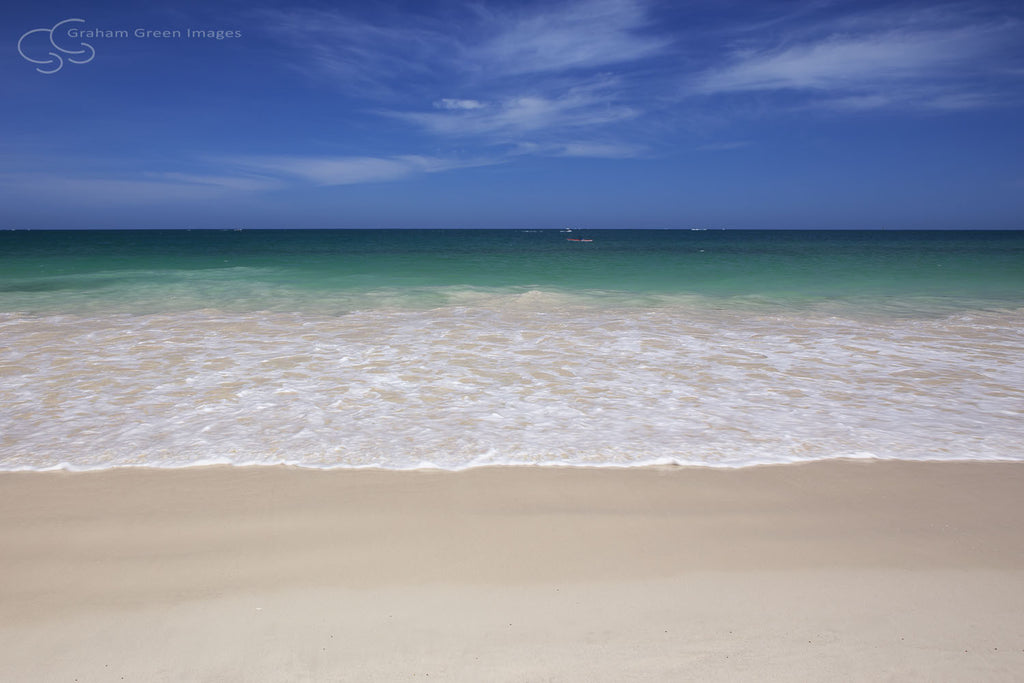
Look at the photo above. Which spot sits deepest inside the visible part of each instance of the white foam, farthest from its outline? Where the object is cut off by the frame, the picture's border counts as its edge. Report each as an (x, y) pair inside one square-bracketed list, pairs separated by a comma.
[(506, 382)]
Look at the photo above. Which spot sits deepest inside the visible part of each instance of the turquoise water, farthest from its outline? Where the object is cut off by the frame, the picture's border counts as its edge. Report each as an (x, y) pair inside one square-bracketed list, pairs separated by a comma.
[(454, 349), (150, 271)]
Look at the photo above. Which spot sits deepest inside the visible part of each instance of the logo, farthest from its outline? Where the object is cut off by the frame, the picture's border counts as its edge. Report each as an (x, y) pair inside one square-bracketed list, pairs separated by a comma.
[(55, 62)]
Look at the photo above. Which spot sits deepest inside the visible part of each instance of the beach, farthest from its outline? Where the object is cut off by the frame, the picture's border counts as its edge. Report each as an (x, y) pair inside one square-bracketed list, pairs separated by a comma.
[(507, 456), (853, 570)]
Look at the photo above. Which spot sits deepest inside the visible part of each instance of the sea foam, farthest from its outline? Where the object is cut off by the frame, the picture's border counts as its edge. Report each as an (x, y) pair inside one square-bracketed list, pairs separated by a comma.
[(529, 378)]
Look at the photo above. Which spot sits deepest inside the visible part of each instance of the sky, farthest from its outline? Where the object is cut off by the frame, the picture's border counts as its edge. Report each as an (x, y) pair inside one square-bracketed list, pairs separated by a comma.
[(448, 114)]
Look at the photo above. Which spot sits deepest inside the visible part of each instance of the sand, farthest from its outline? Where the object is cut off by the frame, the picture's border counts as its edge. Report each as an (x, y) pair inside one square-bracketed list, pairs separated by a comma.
[(827, 571)]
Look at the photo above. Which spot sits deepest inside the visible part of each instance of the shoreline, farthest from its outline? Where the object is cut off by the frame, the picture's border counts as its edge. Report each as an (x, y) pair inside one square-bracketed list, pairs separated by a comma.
[(220, 465), (856, 569)]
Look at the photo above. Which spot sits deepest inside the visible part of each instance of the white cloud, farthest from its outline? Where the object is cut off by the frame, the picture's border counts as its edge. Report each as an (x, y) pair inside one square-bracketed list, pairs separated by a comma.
[(593, 33), (252, 174), (581, 148), (866, 66), (242, 183), (369, 59), (327, 171), (844, 61), (927, 97), (511, 117), (601, 150), (447, 103), (528, 70), (478, 45)]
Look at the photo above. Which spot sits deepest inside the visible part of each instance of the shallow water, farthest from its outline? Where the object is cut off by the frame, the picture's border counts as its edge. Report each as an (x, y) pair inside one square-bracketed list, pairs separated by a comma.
[(456, 349)]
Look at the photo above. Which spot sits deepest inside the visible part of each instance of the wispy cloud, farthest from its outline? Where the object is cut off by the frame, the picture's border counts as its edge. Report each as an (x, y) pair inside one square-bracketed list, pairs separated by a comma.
[(364, 58), (583, 148), (480, 41), (845, 61), (504, 71), (240, 176), (327, 171), (578, 35), (530, 77), (601, 150), (579, 107), (450, 103), (582, 78), (924, 60), (240, 183)]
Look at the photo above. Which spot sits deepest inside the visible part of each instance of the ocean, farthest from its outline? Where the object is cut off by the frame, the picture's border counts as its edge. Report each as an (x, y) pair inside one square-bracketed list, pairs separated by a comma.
[(408, 349)]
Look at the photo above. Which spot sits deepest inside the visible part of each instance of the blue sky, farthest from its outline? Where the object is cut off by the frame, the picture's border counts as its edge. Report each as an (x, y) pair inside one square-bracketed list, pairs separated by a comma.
[(592, 113)]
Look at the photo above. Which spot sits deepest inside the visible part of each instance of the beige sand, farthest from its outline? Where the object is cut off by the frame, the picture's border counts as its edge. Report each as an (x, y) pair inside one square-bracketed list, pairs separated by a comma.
[(832, 571)]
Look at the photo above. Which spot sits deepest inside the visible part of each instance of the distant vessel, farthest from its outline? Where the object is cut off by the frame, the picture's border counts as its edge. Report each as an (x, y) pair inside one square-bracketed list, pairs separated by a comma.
[(566, 229)]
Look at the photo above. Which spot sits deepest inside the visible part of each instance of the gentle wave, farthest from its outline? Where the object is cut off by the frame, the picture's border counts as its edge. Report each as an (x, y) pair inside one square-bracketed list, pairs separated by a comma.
[(524, 378), (261, 290)]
